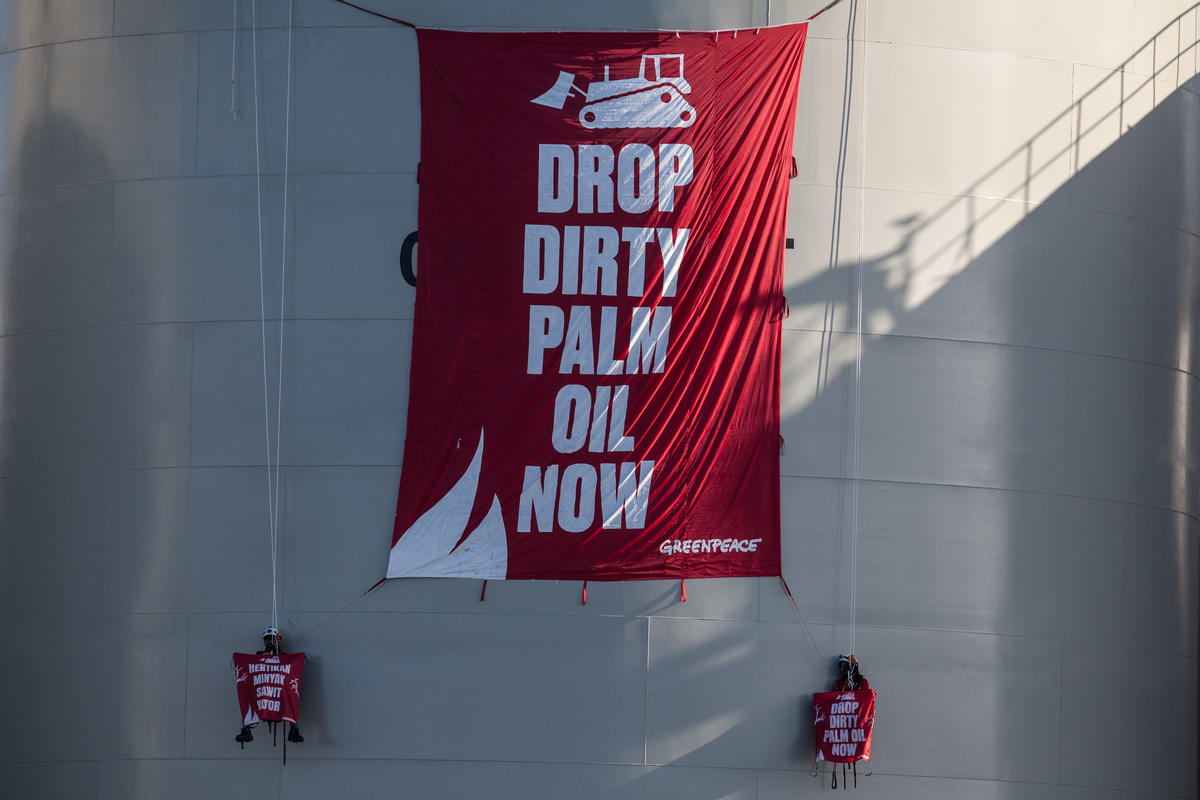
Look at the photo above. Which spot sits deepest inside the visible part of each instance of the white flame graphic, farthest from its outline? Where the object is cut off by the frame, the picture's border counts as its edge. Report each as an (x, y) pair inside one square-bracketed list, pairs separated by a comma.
[(426, 549)]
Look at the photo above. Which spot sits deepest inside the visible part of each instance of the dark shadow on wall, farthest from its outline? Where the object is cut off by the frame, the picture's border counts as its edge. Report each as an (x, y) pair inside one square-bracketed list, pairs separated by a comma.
[(1020, 261), (1036, 463), (940, 387), (56, 164), (61, 381), (56, 274)]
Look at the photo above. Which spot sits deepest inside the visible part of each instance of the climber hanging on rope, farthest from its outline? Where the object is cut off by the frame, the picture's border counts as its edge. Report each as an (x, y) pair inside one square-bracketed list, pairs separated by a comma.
[(268, 687), (850, 678), (843, 721)]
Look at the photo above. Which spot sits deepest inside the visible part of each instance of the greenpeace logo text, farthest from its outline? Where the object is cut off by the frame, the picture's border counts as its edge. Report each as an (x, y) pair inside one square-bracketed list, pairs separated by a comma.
[(694, 546)]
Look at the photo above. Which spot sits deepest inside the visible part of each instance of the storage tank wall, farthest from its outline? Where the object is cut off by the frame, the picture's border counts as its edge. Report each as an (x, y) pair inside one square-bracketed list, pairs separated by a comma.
[(1019, 185)]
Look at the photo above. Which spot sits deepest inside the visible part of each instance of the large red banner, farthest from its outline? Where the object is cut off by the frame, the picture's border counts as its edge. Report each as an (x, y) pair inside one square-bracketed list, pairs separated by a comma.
[(595, 371)]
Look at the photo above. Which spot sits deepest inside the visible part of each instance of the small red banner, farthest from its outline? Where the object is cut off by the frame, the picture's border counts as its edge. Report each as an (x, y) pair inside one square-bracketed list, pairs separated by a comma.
[(842, 725), (268, 686), (596, 349)]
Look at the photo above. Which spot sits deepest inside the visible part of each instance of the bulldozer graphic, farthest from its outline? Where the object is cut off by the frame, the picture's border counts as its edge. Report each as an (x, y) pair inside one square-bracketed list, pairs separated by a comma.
[(641, 102)]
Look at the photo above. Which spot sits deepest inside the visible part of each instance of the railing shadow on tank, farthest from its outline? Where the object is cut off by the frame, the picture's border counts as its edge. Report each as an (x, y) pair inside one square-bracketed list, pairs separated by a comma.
[(1006, 216), (957, 229)]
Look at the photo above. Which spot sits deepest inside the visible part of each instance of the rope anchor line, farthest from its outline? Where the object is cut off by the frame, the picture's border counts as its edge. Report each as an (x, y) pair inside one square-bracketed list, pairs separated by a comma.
[(408, 24), (274, 478)]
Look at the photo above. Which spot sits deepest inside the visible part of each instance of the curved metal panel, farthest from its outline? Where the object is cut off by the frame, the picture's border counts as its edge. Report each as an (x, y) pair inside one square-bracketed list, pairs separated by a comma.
[(1028, 559)]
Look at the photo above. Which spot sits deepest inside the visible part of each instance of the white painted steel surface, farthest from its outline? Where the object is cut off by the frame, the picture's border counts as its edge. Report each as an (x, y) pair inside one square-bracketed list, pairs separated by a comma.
[(1028, 553)]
